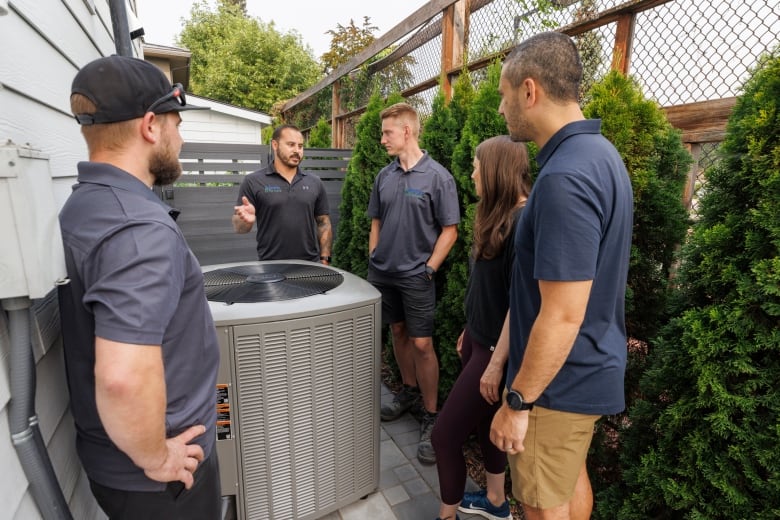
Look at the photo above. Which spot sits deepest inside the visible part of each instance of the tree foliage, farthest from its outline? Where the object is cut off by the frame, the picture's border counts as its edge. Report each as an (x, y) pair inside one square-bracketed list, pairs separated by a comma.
[(242, 60), (657, 163), (703, 443), (346, 42), (440, 132), (590, 49), (356, 87), (320, 135)]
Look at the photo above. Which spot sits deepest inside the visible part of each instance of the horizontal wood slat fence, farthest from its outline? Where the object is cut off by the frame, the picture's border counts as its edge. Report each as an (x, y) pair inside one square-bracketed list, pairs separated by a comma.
[(208, 189)]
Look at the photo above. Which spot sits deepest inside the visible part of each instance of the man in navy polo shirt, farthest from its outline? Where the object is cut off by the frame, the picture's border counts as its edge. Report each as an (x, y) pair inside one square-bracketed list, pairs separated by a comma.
[(567, 334), (289, 205), (414, 216), (140, 345)]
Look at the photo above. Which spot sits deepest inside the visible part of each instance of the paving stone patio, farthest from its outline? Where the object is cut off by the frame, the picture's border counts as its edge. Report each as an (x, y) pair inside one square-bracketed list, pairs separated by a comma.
[(407, 490)]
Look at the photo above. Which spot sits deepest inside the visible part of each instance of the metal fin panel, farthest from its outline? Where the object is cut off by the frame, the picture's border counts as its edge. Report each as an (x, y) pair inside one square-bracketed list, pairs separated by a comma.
[(307, 401)]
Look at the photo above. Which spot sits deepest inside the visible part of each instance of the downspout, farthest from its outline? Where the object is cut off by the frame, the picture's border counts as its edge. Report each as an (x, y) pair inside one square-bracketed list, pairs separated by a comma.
[(121, 27), (23, 421)]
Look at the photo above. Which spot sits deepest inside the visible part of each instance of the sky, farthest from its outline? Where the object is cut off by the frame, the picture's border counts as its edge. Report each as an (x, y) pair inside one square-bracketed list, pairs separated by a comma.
[(161, 19)]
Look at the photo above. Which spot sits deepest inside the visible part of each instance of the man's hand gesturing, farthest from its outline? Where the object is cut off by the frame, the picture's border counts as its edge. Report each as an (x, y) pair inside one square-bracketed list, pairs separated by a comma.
[(246, 211)]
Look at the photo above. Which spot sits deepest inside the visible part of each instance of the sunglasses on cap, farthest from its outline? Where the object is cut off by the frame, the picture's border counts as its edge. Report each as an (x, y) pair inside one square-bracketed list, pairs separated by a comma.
[(176, 93)]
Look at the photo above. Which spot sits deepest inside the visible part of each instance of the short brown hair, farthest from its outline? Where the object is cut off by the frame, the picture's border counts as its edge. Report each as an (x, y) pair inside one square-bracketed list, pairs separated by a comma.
[(406, 113), (102, 136), (552, 60)]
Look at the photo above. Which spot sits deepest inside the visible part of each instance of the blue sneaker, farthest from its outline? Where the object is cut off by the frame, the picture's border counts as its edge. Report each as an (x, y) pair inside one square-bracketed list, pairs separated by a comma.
[(478, 504), (473, 496)]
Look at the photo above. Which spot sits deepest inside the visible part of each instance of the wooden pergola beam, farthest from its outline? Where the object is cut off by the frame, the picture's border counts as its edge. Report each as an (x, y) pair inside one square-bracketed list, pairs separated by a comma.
[(411, 22), (703, 121), (699, 122)]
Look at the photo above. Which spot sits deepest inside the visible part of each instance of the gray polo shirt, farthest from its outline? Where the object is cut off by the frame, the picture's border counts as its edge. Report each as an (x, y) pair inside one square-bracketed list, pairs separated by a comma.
[(412, 207), (133, 280), (286, 213)]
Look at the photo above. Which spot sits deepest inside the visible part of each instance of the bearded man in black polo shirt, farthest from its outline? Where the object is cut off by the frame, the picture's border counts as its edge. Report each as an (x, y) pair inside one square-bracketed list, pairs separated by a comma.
[(289, 205)]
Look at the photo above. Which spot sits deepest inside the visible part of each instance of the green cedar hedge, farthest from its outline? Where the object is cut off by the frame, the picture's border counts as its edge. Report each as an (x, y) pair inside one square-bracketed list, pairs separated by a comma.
[(657, 163), (703, 442), (320, 135)]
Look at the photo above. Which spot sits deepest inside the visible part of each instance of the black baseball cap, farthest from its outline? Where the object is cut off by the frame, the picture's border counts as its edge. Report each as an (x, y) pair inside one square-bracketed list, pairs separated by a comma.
[(124, 88)]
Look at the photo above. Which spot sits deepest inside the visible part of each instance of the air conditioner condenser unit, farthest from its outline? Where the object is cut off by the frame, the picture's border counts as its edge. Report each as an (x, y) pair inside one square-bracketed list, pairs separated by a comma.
[(298, 387)]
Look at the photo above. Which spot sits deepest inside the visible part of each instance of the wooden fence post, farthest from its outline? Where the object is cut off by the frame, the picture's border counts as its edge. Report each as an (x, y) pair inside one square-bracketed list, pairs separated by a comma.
[(336, 124), (624, 35), (453, 42)]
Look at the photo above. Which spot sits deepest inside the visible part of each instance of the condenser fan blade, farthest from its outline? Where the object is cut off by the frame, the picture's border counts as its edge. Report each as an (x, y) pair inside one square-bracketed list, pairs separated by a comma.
[(254, 283)]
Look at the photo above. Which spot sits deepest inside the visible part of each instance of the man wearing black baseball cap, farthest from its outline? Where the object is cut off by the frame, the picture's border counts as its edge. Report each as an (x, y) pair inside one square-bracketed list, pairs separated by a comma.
[(140, 345)]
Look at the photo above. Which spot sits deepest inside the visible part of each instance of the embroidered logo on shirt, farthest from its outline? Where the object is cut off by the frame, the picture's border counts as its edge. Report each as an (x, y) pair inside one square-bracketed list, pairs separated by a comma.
[(417, 194), (273, 189)]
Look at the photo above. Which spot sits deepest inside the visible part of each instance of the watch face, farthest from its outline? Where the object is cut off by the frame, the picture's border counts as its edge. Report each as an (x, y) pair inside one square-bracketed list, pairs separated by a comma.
[(514, 400)]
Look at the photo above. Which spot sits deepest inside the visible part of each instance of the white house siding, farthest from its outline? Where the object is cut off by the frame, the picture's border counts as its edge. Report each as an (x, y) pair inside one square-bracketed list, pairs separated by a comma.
[(44, 44), (209, 126), (222, 124)]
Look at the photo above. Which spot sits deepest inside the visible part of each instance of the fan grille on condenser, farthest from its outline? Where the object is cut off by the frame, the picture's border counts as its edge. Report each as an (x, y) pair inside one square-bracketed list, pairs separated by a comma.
[(268, 282)]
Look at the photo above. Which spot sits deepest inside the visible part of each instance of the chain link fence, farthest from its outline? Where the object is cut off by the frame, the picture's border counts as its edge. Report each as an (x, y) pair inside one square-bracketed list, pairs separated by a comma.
[(681, 52)]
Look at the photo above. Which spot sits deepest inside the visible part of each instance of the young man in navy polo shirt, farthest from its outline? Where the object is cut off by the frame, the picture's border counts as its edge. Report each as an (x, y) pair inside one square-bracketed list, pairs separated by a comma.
[(414, 215), (567, 334)]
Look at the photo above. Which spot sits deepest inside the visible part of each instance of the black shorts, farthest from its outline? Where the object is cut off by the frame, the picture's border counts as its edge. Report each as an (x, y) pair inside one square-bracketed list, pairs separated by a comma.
[(202, 501), (411, 299)]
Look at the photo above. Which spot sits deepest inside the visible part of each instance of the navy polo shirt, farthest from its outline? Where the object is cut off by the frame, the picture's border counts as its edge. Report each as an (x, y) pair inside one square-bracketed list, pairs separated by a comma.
[(412, 207), (286, 213), (577, 226), (133, 280)]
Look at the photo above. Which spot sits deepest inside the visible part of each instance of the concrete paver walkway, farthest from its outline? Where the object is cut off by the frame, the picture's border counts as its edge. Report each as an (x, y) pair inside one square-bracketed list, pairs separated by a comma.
[(407, 490)]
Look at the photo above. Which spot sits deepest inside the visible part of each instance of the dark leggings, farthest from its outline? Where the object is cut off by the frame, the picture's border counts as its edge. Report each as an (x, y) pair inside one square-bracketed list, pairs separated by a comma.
[(465, 411)]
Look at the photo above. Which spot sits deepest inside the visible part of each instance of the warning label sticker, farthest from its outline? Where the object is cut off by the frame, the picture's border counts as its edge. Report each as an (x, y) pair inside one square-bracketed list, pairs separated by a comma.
[(224, 429)]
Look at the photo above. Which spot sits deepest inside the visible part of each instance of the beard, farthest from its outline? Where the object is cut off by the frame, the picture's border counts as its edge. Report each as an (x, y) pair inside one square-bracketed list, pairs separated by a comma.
[(520, 129), (164, 165), (290, 160)]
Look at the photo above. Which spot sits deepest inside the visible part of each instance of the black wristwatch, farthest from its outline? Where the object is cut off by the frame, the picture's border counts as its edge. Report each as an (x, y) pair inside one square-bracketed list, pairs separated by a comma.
[(515, 401), (429, 271), (326, 258)]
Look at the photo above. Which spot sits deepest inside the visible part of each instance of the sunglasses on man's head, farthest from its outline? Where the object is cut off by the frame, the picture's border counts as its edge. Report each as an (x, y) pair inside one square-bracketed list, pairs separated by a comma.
[(177, 93)]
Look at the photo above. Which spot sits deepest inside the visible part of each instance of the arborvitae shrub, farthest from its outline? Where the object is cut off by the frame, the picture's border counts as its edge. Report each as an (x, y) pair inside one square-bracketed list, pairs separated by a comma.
[(704, 440), (319, 137), (368, 157), (441, 132), (657, 163)]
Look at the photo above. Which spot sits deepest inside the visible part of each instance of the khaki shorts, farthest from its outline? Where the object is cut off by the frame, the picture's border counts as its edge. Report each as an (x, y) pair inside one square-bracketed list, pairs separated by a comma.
[(556, 445)]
